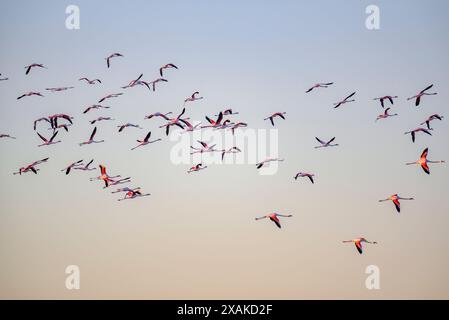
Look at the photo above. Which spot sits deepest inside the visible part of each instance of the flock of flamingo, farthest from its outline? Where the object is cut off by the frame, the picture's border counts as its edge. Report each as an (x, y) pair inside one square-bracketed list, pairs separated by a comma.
[(56, 122)]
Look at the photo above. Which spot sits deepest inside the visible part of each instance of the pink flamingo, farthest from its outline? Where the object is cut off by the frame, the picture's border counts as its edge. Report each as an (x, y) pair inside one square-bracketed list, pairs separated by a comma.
[(395, 198), (326, 144), (31, 167), (167, 66), (214, 123), (174, 122), (196, 168), (276, 114), (72, 166), (262, 163), (96, 107), (109, 96), (128, 125), (431, 118), (358, 243), (6, 136), (193, 97), (319, 85), (50, 141), (132, 194), (421, 94), (91, 139), (104, 176), (86, 167), (158, 114), (114, 55), (153, 83), (204, 148), (382, 99), (58, 89), (33, 65), (345, 100), (414, 131), (385, 115), (145, 141), (29, 94), (304, 174), (424, 162), (90, 81), (101, 119), (230, 150), (275, 218)]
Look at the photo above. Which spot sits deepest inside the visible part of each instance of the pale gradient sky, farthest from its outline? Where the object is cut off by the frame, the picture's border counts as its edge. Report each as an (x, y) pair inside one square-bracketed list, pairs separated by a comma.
[(196, 237)]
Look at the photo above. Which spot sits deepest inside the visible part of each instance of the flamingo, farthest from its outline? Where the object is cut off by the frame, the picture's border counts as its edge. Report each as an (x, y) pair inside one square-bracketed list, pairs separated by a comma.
[(58, 89), (326, 144), (132, 83), (132, 194), (50, 141), (117, 182), (101, 119), (86, 167), (145, 141), (275, 218), (421, 94), (193, 97), (72, 166), (214, 123), (2, 135), (414, 131), (167, 66), (189, 127), (29, 94), (358, 243), (104, 176), (42, 119), (31, 167), (395, 198), (385, 115), (319, 85), (174, 122), (114, 55), (382, 99), (238, 125), (153, 83), (262, 163), (3, 79), (33, 65), (204, 148), (90, 81), (128, 125), (197, 167), (230, 150), (96, 107), (431, 118), (304, 174), (126, 189), (54, 119), (228, 112), (276, 114), (91, 139), (158, 114), (109, 96), (61, 126), (345, 100), (423, 161)]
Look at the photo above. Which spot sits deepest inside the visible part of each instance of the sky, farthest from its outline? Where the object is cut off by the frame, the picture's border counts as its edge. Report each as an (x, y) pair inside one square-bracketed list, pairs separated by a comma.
[(195, 237)]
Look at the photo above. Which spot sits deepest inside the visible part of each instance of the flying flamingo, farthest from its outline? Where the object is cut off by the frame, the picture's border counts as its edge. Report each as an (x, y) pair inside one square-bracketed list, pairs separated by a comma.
[(214, 123), (228, 112), (128, 125), (395, 198), (204, 148), (132, 194), (326, 144), (304, 174), (385, 115), (54, 119), (345, 100), (275, 218), (72, 166), (423, 161), (431, 118), (189, 127), (61, 126), (50, 141), (193, 97), (230, 150), (85, 167), (153, 83), (112, 56), (414, 131), (104, 176), (90, 81), (158, 114), (167, 66), (34, 65), (58, 89), (132, 83), (145, 141), (112, 95), (262, 163), (126, 189), (117, 182), (29, 94), (6, 136), (31, 167), (3, 79), (358, 243), (174, 122), (197, 167), (319, 85), (91, 139), (96, 107), (421, 94), (382, 99), (101, 119), (276, 114), (238, 125)]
